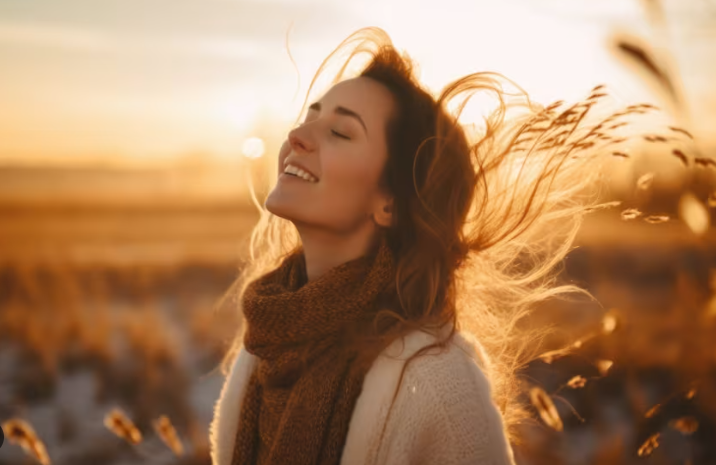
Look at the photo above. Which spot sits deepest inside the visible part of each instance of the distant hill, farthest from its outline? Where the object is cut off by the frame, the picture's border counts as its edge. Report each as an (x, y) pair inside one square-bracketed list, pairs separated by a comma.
[(73, 186), (116, 216)]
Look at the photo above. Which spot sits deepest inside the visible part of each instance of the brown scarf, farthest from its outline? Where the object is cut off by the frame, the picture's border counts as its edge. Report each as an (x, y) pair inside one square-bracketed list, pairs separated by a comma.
[(300, 398)]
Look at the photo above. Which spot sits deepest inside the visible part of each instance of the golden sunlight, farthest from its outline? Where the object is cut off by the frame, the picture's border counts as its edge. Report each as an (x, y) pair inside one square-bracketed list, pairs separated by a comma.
[(221, 97), (241, 113), (253, 147), (140, 141)]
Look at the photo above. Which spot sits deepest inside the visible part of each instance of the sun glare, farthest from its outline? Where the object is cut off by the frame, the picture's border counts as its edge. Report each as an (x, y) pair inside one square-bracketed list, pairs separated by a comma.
[(552, 56), (253, 148), (241, 113)]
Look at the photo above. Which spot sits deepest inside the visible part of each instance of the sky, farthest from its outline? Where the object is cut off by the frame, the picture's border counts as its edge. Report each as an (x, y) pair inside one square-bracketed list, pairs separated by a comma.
[(133, 81)]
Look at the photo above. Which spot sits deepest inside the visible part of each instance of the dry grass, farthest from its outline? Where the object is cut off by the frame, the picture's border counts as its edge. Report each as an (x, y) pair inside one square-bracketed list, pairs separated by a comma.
[(20, 432), (166, 431), (117, 422), (113, 323), (652, 363), (634, 384)]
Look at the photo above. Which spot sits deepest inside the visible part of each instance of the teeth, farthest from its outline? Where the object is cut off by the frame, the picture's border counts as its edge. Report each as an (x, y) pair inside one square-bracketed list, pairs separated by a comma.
[(300, 173)]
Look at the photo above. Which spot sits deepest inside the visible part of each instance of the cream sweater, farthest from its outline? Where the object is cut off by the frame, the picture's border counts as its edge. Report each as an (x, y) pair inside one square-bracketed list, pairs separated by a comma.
[(443, 413)]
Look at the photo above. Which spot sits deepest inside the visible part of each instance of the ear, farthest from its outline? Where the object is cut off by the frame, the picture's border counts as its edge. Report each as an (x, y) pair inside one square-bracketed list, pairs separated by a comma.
[(383, 212)]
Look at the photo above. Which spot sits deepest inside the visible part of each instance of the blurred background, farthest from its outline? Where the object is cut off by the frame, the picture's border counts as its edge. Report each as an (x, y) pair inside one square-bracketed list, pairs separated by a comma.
[(128, 134)]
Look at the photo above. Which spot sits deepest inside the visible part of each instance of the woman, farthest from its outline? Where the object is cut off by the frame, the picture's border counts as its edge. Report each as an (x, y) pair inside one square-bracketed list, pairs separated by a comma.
[(387, 249)]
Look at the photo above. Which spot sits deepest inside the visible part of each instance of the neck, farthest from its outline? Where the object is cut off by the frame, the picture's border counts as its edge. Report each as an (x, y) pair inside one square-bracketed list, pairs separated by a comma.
[(324, 250)]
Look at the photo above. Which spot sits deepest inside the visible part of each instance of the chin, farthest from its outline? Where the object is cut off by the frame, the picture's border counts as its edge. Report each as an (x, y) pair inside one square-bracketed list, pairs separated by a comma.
[(273, 206), (288, 207), (279, 207)]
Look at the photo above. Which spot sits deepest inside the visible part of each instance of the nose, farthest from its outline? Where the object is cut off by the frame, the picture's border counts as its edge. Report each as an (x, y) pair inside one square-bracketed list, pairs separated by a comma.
[(300, 140)]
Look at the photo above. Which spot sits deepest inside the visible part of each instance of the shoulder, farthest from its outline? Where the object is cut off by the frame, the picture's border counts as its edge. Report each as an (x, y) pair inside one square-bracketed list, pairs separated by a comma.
[(461, 358), (454, 375), (443, 411), (462, 362)]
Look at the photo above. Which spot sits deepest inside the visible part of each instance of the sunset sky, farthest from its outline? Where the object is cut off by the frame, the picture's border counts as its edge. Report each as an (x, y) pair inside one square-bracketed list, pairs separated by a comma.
[(154, 79)]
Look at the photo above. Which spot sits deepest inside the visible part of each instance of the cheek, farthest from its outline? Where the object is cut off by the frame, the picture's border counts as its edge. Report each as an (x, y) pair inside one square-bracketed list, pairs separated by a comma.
[(282, 154), (348, 173), (351, 178)]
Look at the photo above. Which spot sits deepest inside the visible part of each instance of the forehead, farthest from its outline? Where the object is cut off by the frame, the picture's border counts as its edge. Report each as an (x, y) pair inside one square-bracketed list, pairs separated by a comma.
[(367, 97)]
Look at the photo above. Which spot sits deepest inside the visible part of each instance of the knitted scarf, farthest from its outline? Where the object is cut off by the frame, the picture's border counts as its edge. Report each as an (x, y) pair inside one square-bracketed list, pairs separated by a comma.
[(301, 396)]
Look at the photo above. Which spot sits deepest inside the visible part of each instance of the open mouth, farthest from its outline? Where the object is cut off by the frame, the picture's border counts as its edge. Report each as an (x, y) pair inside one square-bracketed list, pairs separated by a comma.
[(297, 172), (297, 177)]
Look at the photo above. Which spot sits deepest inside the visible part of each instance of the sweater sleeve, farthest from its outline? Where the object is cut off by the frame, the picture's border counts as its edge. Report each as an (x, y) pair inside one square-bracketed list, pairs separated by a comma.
[(444, 414)]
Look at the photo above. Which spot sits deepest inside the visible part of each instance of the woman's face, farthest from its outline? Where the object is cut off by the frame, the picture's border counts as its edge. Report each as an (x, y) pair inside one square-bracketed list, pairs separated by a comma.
[(330, 166)]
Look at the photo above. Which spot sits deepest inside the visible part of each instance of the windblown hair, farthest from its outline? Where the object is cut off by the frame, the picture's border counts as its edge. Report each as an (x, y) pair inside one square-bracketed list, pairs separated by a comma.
[(484, 215)]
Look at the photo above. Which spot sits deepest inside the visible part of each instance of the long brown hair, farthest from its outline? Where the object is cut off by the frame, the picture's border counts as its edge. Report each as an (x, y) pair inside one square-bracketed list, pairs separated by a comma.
[(484, 214)]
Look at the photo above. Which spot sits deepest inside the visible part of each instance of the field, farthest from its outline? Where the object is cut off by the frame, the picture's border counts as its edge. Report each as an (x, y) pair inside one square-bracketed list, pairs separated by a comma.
[(109, 306), (112, 322)]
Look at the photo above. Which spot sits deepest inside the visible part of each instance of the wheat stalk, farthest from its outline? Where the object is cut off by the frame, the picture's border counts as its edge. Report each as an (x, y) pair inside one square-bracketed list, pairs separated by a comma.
[(20, 432)]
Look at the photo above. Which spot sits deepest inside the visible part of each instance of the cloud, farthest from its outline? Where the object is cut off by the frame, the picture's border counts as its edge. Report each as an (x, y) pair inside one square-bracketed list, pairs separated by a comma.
[(255, 19), (219, 47), (54, 36), (78, 39)]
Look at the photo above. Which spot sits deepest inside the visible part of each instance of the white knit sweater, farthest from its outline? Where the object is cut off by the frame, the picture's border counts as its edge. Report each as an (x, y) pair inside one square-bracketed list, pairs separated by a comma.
[(443, 413)]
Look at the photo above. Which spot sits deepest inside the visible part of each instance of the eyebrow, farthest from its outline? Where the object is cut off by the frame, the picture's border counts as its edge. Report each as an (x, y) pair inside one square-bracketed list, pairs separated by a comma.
[(342, 111)]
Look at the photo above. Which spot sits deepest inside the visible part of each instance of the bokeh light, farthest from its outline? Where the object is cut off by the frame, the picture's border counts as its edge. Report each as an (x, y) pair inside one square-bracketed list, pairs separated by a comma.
[(253, 147), (137, 140)]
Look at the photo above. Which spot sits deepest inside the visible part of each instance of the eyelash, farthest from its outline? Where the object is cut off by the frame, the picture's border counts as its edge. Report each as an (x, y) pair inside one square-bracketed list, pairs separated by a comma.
[(335, 133), (342, 136)]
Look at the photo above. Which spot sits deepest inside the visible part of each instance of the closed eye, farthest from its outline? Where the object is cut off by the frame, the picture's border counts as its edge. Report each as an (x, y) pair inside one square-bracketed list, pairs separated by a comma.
[(342, 136)]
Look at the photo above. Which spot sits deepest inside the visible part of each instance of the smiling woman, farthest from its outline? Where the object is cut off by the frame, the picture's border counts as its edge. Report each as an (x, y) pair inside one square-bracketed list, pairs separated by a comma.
[(343, 154), (382, 296)]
